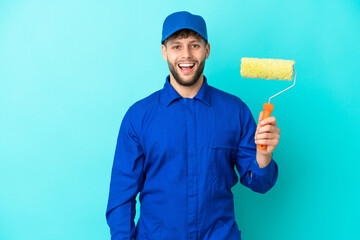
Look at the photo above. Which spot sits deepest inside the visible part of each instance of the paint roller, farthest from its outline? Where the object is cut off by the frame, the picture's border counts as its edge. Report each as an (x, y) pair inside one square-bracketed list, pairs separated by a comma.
[(272, 69)]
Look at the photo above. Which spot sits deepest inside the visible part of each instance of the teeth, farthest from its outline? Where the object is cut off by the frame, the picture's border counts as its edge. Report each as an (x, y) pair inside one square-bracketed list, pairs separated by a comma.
[(186, 64)]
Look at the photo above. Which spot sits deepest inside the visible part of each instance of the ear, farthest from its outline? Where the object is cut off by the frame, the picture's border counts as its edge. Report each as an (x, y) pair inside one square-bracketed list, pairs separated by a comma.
[(163, 51), (207, 50)]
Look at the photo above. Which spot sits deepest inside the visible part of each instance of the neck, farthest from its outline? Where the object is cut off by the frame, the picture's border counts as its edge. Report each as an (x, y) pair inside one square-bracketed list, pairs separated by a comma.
[(187, 91)]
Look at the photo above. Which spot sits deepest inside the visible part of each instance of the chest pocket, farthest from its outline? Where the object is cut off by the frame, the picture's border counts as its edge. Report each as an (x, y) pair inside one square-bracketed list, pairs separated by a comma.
[(223, 152)]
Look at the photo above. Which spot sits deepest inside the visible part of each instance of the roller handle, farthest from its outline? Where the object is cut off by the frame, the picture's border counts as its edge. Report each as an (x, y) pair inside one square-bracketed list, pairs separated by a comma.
[(268, 108)]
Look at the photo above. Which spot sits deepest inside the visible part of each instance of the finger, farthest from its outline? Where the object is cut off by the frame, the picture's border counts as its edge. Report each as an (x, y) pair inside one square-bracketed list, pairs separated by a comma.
[(261, 115), (268, 136), (269, 120), (268, 128), (272, 142)]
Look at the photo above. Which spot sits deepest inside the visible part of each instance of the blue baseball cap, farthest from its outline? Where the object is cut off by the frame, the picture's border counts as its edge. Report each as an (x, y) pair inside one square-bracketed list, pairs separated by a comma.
[(183, 20)]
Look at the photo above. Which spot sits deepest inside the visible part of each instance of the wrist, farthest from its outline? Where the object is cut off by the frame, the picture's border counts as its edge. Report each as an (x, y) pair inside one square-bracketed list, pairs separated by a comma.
[(263, 159)]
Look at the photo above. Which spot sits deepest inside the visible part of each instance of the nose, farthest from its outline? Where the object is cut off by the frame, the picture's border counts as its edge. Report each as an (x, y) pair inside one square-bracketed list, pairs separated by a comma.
[(187, 52)]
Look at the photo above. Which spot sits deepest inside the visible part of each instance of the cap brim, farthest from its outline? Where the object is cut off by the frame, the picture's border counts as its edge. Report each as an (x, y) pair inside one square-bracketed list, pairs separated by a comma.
[(180, 28)]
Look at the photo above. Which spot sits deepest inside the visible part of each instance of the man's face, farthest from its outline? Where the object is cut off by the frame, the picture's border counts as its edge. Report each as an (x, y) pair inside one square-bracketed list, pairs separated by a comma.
[(186, 58)]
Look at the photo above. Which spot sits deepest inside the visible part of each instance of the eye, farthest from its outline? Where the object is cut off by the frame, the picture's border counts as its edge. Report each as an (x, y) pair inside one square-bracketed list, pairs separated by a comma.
[(195, 45), (176, 47)]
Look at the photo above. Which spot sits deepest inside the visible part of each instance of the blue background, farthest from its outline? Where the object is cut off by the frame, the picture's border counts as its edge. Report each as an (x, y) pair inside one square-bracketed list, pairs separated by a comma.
[(69, 70)]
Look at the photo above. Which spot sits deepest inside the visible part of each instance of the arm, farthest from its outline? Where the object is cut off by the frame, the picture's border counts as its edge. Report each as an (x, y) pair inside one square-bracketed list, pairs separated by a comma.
[(126, 182), (257, 169)]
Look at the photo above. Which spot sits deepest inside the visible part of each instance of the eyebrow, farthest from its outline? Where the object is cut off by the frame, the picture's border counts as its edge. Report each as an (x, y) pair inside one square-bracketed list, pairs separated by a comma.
[(177, 42)]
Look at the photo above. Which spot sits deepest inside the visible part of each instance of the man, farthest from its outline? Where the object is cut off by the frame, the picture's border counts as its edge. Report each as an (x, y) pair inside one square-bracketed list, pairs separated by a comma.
[(178, 147)]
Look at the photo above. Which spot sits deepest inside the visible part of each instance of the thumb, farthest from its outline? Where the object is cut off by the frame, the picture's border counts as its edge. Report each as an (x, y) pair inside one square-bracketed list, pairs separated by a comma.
[(261, 115)]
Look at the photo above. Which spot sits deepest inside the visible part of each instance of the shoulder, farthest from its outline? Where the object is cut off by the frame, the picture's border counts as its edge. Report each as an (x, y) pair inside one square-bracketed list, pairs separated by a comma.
[(138, 109), (145, 102)]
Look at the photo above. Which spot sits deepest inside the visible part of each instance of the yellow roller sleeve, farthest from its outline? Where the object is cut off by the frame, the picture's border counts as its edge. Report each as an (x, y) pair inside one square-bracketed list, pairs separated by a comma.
[(265, 68)]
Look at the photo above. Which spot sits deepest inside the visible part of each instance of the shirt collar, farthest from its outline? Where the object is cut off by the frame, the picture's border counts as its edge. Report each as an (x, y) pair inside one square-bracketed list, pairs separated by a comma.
[(170, 94)]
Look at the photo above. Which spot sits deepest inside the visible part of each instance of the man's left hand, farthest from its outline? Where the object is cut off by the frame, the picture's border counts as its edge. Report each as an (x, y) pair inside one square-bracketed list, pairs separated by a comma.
[(267, 133)]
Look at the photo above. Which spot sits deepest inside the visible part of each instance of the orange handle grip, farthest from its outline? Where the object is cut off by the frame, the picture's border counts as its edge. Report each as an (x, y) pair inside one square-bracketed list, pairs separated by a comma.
[(268, 108)]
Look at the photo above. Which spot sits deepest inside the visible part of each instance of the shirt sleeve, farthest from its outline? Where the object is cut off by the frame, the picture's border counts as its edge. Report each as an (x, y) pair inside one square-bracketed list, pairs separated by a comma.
[(262, 179), (126, 181)]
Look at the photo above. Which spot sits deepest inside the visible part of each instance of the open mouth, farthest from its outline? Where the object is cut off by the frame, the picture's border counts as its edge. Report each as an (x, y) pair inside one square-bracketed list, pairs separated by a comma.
[(186, 67)]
